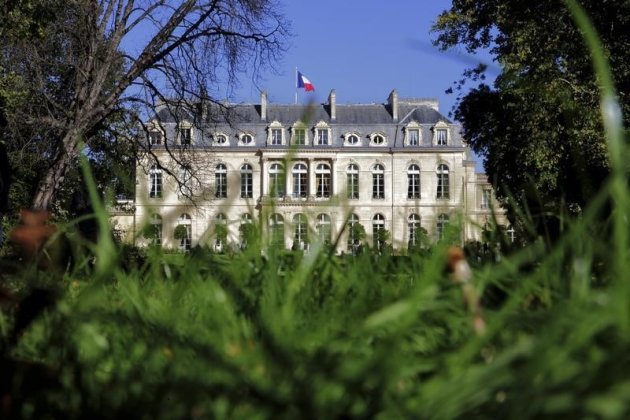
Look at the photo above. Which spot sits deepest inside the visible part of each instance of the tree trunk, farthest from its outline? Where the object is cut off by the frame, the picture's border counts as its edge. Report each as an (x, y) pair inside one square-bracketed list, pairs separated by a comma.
[(56, 173)]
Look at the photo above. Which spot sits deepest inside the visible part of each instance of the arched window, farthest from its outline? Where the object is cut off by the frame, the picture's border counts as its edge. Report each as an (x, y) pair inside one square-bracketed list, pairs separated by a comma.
[(247, 181), (185, 243), (155, 230), (155, 182), (322, 180), (220, 231), (378, 181), (413, 226), (442, 182), (323, 227), (413, 181), (220, 181), (353, 240), (246, 230), (440, 227), (352, 184), (300, 180), (276, 230), (276, 180), (378, 226), (300, 236)]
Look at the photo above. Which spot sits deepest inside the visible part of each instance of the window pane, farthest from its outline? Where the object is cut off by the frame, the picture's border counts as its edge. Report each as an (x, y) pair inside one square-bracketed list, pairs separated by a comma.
[(414, 136)]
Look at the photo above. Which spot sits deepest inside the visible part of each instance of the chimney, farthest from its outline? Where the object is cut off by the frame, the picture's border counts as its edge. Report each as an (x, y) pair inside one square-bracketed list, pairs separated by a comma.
[(263, 105), (332, 102), (392, 101)]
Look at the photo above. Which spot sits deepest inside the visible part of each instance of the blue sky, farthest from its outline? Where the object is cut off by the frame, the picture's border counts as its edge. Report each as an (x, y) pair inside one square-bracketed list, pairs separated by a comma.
[(363, 49)]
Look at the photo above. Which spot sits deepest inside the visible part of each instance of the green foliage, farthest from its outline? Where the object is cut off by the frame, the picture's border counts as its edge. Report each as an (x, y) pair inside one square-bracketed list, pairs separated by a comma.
[(320, 336), (539, 126), (221, 232), (180, 233)]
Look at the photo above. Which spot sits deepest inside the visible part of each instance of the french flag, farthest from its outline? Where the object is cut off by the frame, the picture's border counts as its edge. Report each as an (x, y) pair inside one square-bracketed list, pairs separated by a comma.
[(303, 82)]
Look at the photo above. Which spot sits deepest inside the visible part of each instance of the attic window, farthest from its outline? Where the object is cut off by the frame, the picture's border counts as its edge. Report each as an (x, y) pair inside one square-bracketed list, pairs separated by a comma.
[(378, 139), (185, 135), (246, 139), (155, 137)]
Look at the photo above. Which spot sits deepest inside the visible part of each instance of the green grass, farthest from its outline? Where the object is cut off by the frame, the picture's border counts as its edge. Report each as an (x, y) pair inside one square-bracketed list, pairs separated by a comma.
[(318, 336)]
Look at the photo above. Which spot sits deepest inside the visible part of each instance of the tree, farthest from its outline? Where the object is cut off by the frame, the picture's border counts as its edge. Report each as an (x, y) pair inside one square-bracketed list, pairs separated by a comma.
[(191, 47), (538, 126)]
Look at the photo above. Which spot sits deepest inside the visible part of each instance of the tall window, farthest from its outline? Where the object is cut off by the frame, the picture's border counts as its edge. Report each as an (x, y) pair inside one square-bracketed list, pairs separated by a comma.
[(378, 225), (414, 137), (322, 180), (352, 184), (155, 232), (378, 181), (276, 136), (186, 179), (247, 175), (486, 195), (155, 137), (155, 182), (220, 181), (299, 136), (300, 236), (300, 180), (440, 227), (413, 181), (276, 180), (441, 137), (276, 230), (442, 182), (185, 135), (413, 226), (511, 233), (323, 227), (353, 220), (186, 221), (322, 136)]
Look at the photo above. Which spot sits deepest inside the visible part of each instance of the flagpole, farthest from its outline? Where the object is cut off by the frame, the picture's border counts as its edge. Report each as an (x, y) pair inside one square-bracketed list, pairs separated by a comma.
[(296, 83)]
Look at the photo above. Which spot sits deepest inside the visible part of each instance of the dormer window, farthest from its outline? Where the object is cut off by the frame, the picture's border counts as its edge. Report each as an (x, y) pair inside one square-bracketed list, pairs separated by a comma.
[(246, 139), (275, 135), (220, 139), (155, 137), (352, 139), (412, 134), (378, 139), (322, 134), (185, 133), (441, 134), (298, 135)]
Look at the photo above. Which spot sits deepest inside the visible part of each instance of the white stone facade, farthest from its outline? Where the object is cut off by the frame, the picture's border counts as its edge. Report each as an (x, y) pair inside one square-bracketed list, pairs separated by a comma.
[(292, 163)]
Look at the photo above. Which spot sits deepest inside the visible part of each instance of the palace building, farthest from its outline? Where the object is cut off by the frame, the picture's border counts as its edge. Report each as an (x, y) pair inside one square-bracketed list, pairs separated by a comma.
[(306, 172)]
